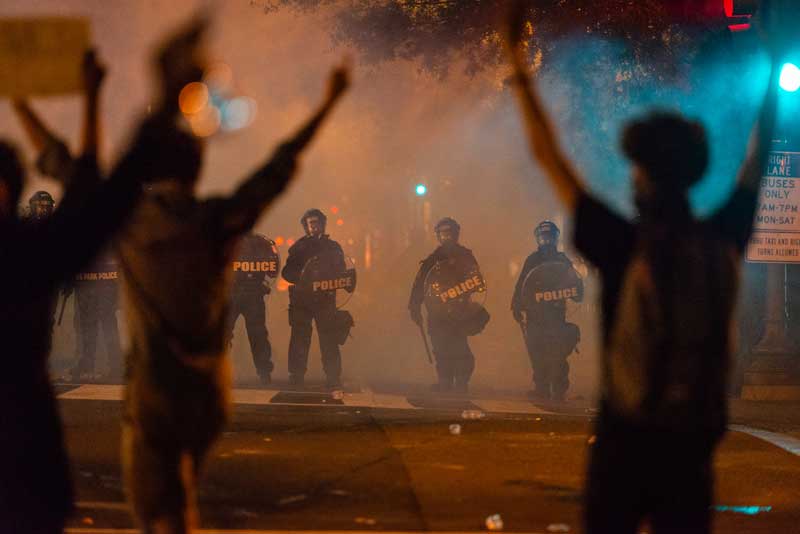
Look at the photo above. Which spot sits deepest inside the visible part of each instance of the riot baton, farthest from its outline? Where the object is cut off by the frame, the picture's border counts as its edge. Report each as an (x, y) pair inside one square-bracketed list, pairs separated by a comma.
[(425, 341), (63, 305)]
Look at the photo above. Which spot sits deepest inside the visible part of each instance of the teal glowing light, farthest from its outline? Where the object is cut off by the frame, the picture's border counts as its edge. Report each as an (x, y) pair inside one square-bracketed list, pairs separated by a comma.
[(746, 510), (421, 190), (790, 77)]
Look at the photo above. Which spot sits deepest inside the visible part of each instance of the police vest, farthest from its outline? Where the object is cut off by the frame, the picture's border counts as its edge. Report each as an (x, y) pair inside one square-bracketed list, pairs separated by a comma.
[(257, 259)]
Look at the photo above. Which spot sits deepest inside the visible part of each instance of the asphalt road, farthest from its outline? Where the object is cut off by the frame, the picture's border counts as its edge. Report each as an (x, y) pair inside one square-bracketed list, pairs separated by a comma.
[(316, 463)]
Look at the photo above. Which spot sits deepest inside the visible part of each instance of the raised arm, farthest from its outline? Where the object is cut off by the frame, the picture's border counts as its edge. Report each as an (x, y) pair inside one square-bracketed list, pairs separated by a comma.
[(257, 192), (541, 136), (735, 218), (73, 234), (93, 74)]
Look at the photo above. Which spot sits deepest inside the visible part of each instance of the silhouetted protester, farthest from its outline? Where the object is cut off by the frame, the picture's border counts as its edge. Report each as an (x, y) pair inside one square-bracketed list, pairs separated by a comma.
[(444, 283), (669, 287), (545, 284), (255, 266), (315, 252), (96, 305), (175, 257), (35, 488)]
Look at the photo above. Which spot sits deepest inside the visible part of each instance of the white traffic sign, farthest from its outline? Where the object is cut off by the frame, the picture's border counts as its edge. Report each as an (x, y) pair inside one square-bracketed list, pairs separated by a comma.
[(776, 229)]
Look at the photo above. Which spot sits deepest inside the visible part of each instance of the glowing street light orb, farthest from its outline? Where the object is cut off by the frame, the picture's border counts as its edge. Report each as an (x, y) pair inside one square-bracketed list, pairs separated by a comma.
[(421, 189), (790, 77), (193, 98), (238, 113)]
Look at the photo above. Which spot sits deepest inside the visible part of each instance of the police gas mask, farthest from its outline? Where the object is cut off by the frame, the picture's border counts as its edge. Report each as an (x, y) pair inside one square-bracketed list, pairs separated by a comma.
[(314, 222), (41, 205), (547, 234), (447, 232)]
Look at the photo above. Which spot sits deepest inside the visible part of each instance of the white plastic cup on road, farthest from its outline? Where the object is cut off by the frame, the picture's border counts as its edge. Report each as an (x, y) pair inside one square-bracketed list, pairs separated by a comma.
[(494, 523), (455, 430)]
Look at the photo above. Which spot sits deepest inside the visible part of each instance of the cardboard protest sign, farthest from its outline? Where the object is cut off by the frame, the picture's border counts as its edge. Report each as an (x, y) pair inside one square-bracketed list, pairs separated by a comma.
[(41, 56)]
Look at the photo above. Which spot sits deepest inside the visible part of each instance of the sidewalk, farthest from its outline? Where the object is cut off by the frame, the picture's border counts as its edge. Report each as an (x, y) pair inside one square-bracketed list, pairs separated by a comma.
[(782, 417)]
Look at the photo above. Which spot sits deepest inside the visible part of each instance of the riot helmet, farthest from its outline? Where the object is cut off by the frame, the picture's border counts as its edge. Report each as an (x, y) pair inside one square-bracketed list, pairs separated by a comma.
[(41, 205), (314, 222), (547, 234), (447, 231)]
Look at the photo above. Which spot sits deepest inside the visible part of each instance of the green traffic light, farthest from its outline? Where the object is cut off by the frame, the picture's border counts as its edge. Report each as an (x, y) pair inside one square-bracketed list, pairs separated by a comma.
[(790, 77)]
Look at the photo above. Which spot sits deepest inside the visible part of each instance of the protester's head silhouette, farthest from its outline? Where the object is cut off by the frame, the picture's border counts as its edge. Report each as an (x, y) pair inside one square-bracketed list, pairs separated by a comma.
[(669, 154), (12, 177), (186, 158)]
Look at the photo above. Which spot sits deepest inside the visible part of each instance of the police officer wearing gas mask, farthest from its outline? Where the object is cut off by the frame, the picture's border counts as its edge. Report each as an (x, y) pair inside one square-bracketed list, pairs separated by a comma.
[(547, 280), (306, 255), (254, 268), (448, 327), (40, 206)]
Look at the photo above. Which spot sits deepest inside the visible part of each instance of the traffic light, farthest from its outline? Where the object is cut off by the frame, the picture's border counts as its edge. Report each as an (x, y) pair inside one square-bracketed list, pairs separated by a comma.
[(790, 77), (421, 190)]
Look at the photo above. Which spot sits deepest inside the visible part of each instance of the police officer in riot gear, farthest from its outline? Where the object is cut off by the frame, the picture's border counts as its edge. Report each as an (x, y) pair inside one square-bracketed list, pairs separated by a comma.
[(315, 246), (547, 280), (255, 266), (40, 206), (96, 305), (455, 362)]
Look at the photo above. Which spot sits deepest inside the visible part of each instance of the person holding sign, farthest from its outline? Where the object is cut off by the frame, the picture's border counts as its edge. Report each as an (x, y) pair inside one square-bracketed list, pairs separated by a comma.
[(316, 269), (669, 291), (545, 284), (36, 495), (255, 267), (446, 283)]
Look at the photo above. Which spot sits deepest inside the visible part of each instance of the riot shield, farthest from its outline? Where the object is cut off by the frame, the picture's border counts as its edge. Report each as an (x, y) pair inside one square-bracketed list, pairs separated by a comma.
[(455, 290), (553, 287), (327, 278), (261, 269)]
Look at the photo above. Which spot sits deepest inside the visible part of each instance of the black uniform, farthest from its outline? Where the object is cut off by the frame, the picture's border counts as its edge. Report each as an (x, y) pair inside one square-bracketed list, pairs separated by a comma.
[(96, 305), (455, 362), (320, 306), (256, 261), (549, 338)]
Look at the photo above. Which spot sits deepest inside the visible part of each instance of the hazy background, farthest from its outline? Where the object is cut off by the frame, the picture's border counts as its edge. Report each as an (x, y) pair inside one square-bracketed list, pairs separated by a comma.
[(400, 125)]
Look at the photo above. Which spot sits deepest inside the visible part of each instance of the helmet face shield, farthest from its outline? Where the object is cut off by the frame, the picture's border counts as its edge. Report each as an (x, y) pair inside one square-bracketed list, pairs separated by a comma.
[(447, 231), (446, 234), (314, 226), (41, 205), (314, 222), (547, 234)]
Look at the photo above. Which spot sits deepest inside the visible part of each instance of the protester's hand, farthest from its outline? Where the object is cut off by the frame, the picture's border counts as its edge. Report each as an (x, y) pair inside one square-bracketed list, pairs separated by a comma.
[(181, 60), (93, 72), (338, 81), (514, 31), (518, 316)]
